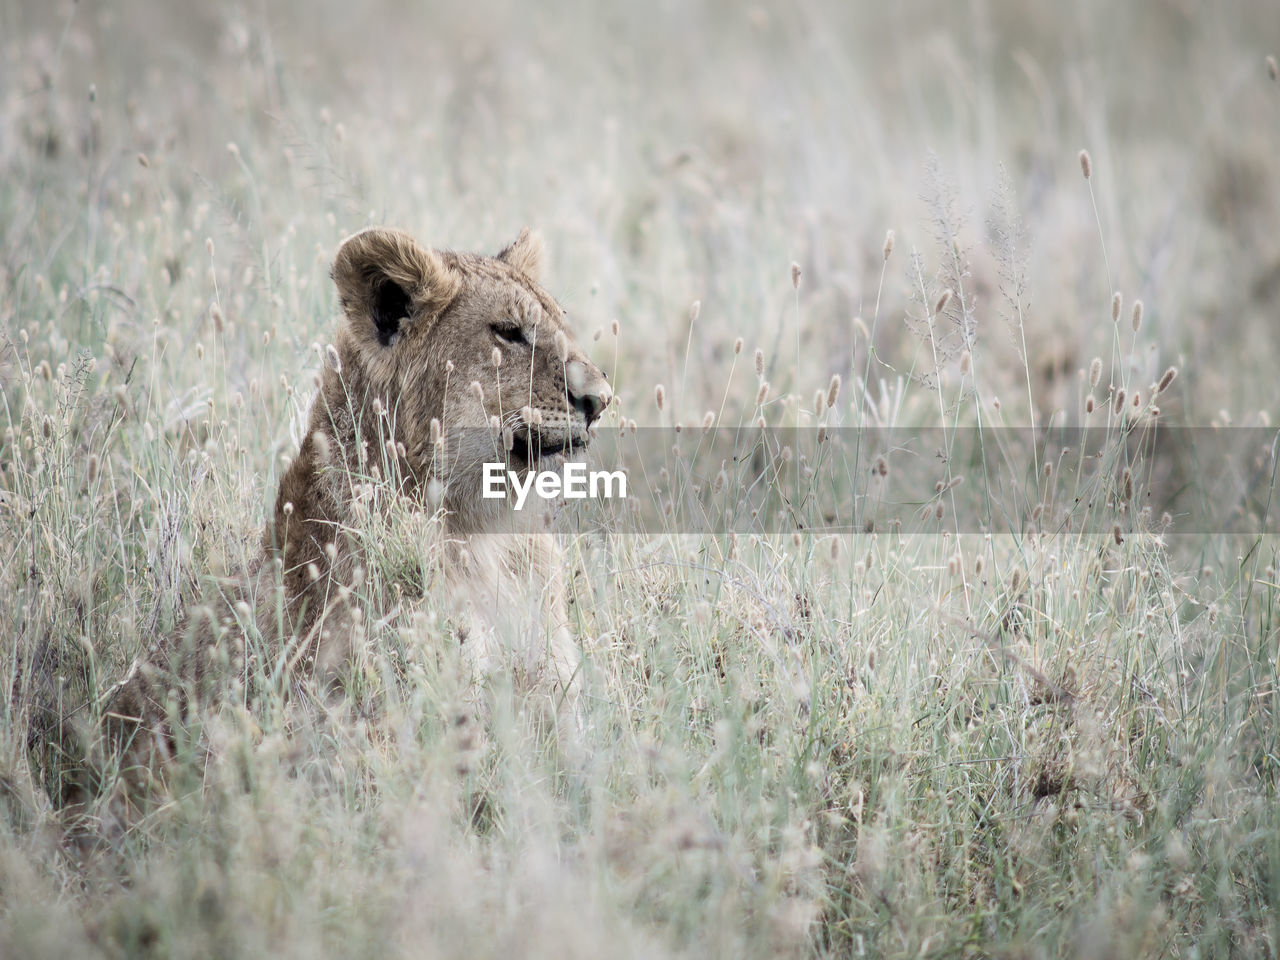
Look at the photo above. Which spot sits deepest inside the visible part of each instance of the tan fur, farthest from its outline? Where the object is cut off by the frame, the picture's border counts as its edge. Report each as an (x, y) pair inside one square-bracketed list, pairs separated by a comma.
[(418, 328)]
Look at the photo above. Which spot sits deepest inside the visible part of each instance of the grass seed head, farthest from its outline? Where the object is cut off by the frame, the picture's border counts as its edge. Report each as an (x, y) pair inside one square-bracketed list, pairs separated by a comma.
[(795, 275), (759, 362), (1086, 164), (1137, 315), (1169, 376), (1095, 372), (1117, 303), (833, 391), (889, 238), (660, 396)]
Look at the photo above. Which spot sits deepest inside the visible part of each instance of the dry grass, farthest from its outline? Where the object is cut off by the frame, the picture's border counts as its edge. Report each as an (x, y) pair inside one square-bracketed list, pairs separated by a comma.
[(889, 745)]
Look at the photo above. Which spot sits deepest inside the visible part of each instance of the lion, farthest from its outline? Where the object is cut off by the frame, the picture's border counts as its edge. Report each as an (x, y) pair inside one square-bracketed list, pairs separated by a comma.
[(442, 361)]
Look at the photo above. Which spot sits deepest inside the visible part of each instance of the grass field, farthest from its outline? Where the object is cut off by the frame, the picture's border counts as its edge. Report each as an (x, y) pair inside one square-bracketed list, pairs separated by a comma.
[(917, 741)]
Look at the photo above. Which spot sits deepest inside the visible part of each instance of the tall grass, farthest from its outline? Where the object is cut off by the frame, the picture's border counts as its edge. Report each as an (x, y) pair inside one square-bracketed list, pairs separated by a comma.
[(894, 743)]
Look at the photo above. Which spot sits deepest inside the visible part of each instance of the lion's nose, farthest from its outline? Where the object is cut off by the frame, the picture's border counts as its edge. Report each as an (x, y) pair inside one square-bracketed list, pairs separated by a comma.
[(588, 389)]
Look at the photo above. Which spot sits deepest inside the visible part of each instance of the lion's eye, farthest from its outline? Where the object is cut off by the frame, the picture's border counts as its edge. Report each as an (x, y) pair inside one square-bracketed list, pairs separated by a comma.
[(509, 332)]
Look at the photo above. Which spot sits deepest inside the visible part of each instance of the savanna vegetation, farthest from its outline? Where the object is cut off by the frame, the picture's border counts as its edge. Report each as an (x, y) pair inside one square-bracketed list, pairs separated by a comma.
[(934, 739)]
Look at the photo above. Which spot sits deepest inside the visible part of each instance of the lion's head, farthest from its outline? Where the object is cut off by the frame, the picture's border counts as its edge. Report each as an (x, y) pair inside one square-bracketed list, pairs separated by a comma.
[(470, 343)]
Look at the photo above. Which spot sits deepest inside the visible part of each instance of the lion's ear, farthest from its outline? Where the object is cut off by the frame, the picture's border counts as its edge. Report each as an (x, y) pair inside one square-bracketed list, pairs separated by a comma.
[(384, 278), (525, 254)]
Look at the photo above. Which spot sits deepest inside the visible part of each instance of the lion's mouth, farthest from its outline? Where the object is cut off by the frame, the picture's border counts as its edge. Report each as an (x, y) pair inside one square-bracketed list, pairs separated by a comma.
[(534, 445)]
